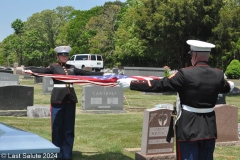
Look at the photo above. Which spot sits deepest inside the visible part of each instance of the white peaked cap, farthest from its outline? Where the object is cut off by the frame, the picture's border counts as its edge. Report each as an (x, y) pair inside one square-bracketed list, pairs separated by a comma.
[(63, 49), (196, 45)]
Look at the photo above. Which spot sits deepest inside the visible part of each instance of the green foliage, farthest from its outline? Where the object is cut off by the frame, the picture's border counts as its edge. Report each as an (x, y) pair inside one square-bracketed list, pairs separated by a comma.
[(166, 71), (233, 69), (104, 27), (76, 34), (18, 25), (154, 33), (227, 32)]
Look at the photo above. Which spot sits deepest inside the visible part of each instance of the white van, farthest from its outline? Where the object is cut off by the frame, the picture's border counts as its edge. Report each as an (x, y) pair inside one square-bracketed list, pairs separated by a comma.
[(95, 61)]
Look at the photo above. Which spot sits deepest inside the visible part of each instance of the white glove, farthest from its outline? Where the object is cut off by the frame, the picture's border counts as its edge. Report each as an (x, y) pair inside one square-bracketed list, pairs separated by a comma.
[(125, 82), (105, 74), (231, 84), (27, 71)]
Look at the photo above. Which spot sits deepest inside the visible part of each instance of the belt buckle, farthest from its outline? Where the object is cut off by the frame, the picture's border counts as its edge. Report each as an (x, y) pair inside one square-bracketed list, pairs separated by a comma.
[(68, 85)]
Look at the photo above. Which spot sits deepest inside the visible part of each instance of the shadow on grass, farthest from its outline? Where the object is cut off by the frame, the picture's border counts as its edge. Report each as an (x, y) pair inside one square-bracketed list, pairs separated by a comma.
[(99, 156)]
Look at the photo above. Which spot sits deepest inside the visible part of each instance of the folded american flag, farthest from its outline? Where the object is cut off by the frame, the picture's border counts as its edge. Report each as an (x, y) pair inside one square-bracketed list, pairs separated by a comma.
[(105, 80)]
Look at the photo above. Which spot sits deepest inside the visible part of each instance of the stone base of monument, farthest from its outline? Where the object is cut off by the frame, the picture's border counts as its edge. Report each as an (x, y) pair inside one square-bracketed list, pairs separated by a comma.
[(38, 111), (165, 156), (104, 111), (229, 143), (16, 113)]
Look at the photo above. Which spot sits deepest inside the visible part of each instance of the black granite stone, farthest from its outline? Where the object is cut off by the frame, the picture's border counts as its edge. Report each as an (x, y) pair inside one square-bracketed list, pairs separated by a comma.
[(221, 99), (16, 97)]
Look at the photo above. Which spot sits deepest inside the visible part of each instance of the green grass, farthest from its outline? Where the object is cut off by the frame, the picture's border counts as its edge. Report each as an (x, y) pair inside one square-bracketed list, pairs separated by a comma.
[(105, 136)]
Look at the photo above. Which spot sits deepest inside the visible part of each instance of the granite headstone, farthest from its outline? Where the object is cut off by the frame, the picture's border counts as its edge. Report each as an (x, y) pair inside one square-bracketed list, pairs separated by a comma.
[(115, 70), (15, 64), (156, 123), (155, 128), (6, 70), (227, 122), (102, 98), (38, 111), (144, 71), (19, 70), (221, 99), (47, 86), (7, 79), (16, 97)]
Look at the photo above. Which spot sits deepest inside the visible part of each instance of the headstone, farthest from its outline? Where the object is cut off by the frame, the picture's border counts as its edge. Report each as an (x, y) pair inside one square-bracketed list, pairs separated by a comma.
[(7, 79), (154, 133), (115, 70), (144, 71), (38, 111), (21, 145), (19, 70), (221, 99), (102, 98), (47, 86), (16, 97), (15, 64), (6, 70), (227, 122), (154, 146), (2, 68), (38, 79), (27, 76)]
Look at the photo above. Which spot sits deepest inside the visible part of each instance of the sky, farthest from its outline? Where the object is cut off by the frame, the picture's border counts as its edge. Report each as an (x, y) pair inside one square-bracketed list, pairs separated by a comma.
[(23, 9)]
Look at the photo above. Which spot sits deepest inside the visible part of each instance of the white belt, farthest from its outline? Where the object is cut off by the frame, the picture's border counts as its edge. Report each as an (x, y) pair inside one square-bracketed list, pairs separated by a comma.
[(63, 85), (197, 110)]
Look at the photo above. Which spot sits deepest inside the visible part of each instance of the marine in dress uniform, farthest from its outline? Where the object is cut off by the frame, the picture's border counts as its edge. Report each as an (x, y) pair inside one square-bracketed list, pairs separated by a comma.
[(63, 102), (198, 87)]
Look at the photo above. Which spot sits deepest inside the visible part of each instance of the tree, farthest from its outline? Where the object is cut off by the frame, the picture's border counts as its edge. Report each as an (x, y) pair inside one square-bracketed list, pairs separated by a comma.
[(129, 47), (9, 50), (161, 29), (76, 33), (46, 27), (18, 25), (227, 33), (104, 27)]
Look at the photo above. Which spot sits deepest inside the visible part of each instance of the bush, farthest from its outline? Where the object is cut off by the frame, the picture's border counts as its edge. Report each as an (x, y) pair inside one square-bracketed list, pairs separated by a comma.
[(233, 69), (166, 71)]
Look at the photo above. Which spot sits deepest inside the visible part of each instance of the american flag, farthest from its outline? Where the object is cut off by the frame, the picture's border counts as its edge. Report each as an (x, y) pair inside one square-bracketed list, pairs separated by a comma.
[(105, 80)]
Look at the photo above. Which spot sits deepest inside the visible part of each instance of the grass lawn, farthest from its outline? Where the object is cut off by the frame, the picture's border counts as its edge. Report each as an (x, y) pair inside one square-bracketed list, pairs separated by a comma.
[(105, 136)]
